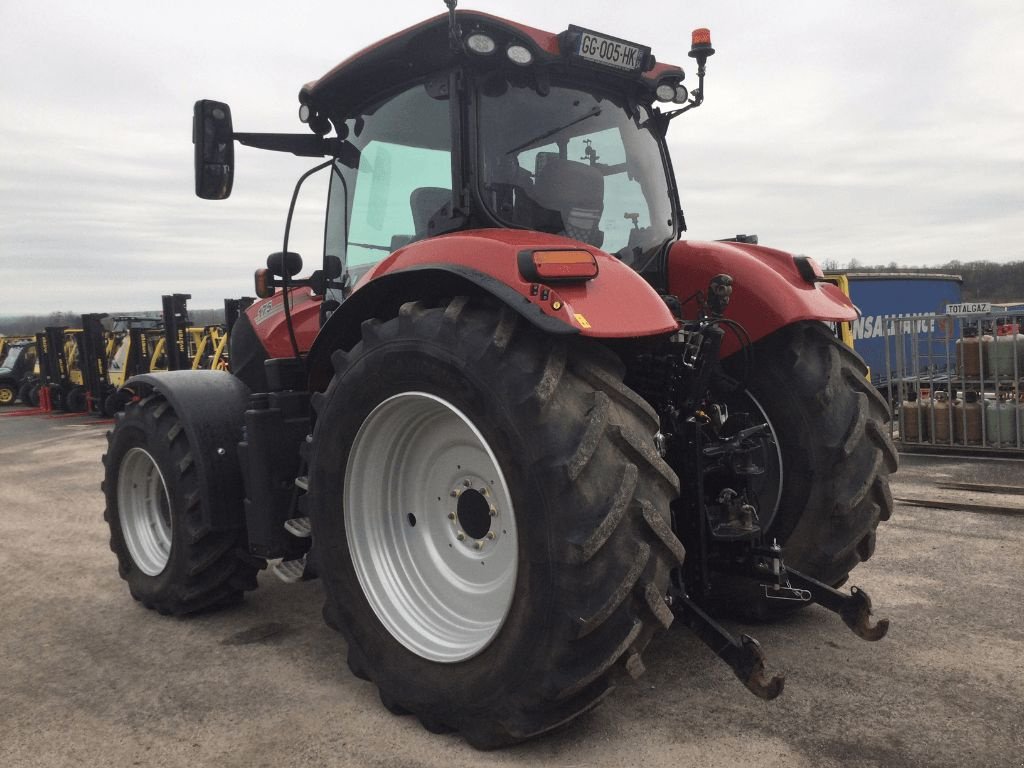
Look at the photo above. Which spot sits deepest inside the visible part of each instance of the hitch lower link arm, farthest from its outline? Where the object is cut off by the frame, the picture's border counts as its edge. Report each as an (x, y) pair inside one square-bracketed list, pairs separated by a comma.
[(743, 654), (854, 609)]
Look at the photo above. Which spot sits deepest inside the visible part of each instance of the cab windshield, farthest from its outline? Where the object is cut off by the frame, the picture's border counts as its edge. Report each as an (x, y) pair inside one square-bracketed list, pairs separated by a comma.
[(573, 163)]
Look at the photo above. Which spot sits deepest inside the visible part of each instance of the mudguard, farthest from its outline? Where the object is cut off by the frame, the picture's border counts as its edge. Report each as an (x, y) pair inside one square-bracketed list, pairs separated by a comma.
[(618, 303), (768, 291), (211, 407)]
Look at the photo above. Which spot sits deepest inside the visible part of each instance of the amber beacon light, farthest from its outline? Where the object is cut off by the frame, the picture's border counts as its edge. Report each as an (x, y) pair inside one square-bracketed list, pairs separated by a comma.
[(700, 44)]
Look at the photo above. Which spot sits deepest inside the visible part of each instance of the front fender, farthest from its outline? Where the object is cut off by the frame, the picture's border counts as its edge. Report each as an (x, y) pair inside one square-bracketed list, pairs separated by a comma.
[(618, 303), (768, 291), (210, 405)]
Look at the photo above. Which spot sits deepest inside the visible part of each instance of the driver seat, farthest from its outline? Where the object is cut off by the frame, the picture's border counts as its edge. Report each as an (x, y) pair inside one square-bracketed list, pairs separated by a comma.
[(575, 191)]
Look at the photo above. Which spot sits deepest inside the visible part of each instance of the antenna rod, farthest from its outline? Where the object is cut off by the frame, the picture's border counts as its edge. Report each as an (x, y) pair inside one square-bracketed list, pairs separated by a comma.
[(454, 33)]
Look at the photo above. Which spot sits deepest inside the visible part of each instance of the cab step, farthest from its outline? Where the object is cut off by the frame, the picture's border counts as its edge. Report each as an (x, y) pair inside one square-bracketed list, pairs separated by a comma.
[(299, 526), (290, 571)]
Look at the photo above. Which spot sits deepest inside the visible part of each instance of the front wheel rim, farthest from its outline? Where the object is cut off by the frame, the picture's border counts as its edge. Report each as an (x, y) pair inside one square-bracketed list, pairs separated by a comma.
[(430, 526), (144, 509)]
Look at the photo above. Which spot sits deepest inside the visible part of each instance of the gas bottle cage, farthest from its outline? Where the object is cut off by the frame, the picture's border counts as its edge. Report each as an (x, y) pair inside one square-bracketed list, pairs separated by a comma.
[(954, 382)]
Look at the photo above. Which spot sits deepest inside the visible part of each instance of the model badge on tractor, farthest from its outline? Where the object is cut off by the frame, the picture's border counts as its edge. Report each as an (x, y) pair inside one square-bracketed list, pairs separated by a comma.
[(514, 423)]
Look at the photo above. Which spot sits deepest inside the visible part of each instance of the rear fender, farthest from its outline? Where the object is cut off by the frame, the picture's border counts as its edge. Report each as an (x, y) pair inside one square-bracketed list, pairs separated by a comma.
[(618, 303), (211, 408), (768, 291)]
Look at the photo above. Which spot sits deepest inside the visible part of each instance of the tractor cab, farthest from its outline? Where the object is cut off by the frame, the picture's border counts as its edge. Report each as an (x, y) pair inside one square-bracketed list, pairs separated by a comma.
[(486, 123), (468, 121)]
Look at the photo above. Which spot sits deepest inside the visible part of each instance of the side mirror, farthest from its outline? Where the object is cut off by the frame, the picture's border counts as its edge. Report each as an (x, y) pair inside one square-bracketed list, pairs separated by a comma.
[(332, 267), (214, 142), (284, 263)]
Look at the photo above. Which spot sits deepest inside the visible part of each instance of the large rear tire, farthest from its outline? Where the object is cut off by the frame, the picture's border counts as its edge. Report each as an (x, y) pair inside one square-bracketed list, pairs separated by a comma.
[(836, 456), (490, 520), (171, 561)]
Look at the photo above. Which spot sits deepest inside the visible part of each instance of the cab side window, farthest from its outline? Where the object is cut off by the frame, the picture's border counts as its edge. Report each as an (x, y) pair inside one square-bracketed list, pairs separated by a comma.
[(404, 178)]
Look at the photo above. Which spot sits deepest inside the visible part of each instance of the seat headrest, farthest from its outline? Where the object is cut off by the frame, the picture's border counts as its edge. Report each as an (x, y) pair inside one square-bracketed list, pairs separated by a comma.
[(566, 184)]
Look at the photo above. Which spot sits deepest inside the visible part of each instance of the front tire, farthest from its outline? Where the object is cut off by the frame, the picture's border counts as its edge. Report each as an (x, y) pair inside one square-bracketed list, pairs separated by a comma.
[(490, 519), (8, 393), (171, 561)]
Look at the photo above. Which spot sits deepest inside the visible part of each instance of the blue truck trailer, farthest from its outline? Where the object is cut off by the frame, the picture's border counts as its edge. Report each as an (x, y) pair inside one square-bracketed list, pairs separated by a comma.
[(888, 299)]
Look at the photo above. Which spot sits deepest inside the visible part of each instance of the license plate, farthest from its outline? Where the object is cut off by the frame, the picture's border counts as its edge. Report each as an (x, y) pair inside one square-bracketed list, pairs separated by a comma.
[(610, 51)]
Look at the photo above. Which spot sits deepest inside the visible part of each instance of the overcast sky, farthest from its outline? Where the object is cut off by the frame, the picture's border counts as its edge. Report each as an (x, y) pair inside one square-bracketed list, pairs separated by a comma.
[(876, 131)]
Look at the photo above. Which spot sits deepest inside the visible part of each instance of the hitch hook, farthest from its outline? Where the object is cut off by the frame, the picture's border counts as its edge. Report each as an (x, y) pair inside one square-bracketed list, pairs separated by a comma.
[(857, 616), (854, 609), (749, 666)]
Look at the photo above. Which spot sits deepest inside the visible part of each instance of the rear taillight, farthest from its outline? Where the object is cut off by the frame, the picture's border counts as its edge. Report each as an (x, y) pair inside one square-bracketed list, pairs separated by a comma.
[(557, 266)]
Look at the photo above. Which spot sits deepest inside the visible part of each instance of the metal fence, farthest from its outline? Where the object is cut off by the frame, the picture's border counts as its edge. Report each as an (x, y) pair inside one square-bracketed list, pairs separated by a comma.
[(955, 381)]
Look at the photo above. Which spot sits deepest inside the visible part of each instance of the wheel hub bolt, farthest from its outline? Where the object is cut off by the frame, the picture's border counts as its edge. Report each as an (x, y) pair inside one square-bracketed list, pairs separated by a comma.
[(451, 515), (479, 545), (461, 537), (454, 494), (491, 535), (494, 511), (468, 483)]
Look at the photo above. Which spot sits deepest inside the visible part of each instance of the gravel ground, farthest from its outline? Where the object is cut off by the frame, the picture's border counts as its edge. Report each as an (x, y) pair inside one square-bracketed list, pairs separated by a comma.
[(89, 677)]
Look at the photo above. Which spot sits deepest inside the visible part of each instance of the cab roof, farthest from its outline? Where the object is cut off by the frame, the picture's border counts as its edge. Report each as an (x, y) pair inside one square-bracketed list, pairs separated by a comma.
[(424, 48)]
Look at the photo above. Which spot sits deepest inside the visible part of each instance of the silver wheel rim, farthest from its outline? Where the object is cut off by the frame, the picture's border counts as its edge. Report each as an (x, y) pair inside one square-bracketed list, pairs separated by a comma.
[(430, 526), (144, 508)]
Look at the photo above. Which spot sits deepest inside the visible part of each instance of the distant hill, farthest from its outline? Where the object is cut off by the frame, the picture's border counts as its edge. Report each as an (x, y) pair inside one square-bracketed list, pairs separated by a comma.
[(983, 280)]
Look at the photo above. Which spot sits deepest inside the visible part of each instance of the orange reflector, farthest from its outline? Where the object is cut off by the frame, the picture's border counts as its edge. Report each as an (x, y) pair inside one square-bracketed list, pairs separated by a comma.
[(562, 265), (701, 36), (263, 287)]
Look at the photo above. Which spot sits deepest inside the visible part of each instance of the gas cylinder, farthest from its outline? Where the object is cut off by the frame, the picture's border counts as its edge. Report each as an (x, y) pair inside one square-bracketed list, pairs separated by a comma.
[(1001, 421), (940, 417), (968, 357), (1004, 354), (967, 420), (915, 429)]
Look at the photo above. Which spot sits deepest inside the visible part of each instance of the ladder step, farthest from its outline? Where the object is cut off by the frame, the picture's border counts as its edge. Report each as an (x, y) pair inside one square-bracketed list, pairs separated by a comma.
[(290, 571), (302, 482), (299, 526)]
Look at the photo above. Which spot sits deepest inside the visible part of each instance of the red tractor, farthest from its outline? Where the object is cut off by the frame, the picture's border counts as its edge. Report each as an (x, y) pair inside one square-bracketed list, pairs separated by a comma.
[(511, 399)]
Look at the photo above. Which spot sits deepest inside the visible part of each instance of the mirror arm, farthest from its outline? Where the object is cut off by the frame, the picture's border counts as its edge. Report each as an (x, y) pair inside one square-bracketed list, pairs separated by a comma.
[(317, 282), (302, 145)]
